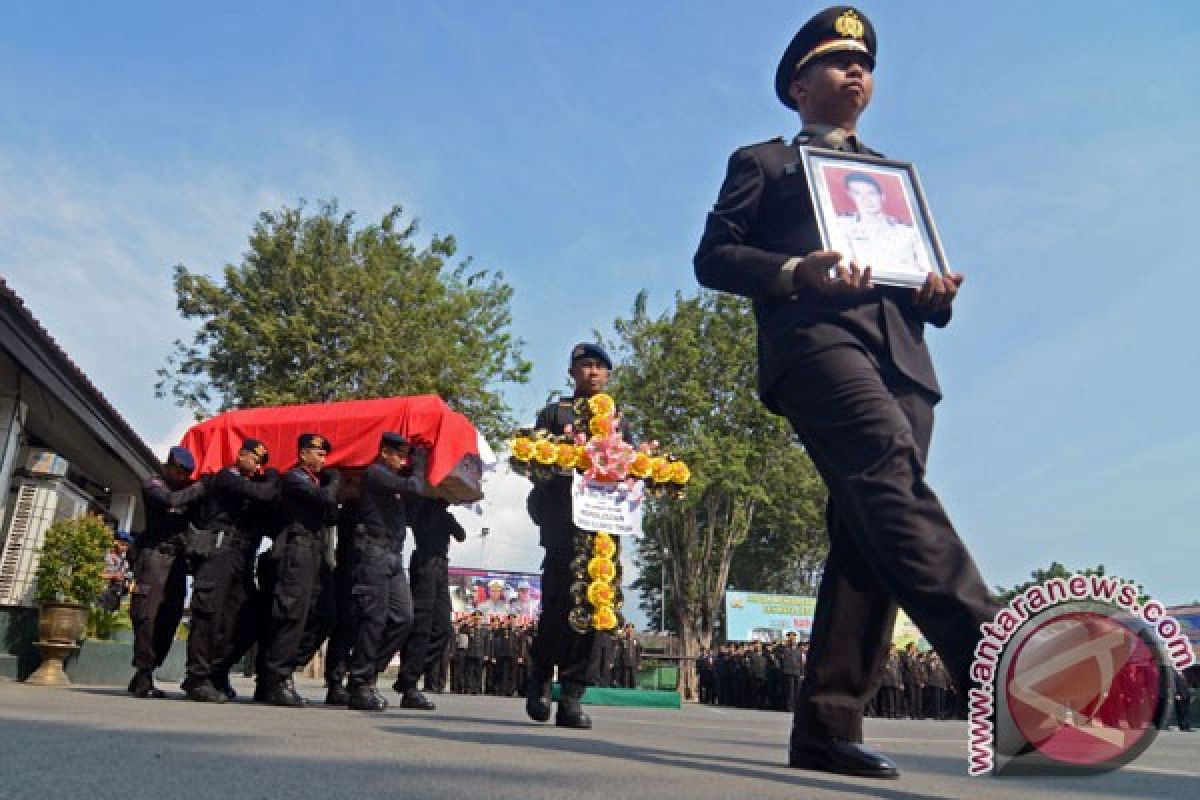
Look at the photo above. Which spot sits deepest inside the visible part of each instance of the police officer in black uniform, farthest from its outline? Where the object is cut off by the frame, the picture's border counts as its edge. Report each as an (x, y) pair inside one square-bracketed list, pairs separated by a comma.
[(549, 506), (229, 515), (383, 601), (160, 569), (477, 641), (846, 363), (433, 526), (309, 504)]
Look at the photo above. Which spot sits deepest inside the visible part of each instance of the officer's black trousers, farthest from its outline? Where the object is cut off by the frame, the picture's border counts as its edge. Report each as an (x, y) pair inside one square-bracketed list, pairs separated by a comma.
[(222, 619), (383, 611), (556, 643), (331, 618), (296, 587), (426, 644), (890, 542), (160, 585)]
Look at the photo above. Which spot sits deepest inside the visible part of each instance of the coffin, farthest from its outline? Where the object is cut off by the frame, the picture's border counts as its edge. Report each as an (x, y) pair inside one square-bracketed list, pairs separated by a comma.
[(354, 428)]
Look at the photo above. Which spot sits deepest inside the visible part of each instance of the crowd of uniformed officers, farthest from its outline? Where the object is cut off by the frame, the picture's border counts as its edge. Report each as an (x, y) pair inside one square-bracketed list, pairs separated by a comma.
[(766, 676), (333, 573)]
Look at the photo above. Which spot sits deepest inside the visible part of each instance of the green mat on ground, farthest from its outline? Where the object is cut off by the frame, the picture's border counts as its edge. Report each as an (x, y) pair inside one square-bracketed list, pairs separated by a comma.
[(642, 698)]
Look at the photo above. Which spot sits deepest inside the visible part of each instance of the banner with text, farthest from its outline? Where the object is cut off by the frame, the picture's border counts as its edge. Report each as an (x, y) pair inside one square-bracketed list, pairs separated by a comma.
[(612, 507)]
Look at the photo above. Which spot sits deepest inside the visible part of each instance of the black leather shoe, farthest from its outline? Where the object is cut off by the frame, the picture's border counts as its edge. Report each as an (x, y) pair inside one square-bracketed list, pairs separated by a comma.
[(537, 701), (365, 698), (260, 690), (281, 693), (221, 684), (337, 695), (142, 685), (414, 699), (842, 757), (570, 714), (205, 692)]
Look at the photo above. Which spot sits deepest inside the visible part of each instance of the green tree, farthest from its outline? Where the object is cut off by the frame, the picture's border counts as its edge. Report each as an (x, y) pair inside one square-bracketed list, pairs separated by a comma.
[(1039, 576), (71, 561), (687, 379), (319, 310)]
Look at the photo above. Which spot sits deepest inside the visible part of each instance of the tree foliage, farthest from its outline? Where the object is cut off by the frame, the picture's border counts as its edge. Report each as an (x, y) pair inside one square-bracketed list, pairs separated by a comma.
[(687, 378), (1040, 576), (319, 310)]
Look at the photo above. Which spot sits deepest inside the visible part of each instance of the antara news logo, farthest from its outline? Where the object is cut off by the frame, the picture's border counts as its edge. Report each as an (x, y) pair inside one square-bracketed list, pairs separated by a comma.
[(1072, 677)]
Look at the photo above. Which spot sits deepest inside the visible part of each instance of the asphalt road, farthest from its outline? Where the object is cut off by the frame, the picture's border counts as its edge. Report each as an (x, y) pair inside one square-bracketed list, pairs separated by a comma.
[(86, 742)]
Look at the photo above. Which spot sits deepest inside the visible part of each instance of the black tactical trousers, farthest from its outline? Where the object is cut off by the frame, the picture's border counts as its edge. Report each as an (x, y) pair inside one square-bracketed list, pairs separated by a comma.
[(331, 618), (218, 599), (243, 617), (297, 584), (160, 585), (383, 611), (426, 644), (890, 541), (556, 642)]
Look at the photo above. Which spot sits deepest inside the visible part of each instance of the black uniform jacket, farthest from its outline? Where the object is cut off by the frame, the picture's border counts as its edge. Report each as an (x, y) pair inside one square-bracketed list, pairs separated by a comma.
[(309, 500), (381, 504), (763, 217), (167, 512), (236, 504)]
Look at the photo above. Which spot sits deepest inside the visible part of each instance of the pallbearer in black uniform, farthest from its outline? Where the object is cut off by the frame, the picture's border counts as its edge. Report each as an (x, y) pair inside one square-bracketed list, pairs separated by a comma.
[(846, 362), (433, 526), (159, 569), (549, 504), (383, 602), (229, 515), (309, 505)]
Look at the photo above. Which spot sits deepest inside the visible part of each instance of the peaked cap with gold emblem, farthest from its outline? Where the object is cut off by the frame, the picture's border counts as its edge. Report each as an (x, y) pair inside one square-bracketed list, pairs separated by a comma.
[(836, 29)]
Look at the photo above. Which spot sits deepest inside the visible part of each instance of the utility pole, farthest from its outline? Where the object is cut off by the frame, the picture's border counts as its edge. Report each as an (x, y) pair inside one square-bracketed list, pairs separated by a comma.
[(662, 574)]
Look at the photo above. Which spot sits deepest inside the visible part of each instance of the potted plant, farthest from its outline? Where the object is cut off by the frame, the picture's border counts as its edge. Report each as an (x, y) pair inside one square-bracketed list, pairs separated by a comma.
[(70, 577)]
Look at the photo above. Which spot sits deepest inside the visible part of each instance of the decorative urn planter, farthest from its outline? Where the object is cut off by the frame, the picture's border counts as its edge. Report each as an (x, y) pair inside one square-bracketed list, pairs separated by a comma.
[(60, 628)]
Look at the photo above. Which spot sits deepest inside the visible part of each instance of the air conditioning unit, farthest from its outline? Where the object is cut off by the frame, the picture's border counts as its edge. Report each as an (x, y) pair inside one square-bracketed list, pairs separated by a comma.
[(38, 504)]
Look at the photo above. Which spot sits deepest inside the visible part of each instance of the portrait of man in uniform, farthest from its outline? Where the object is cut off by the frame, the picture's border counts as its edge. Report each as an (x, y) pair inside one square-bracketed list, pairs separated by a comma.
[(869, 235)]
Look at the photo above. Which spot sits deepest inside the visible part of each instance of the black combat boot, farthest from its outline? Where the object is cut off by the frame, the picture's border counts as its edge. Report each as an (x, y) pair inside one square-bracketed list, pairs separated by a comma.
[(414, 699), (280, 692), (337, 695), (202, 691), (221, 684), (365, 698), (537, 698), (570, 712), (142, 684)]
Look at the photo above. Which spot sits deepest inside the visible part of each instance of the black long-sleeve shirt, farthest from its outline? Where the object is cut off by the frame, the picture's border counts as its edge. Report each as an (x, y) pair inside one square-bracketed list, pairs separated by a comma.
[(235, 503), (432, 526), (309, 500), (381, 505), (168, 511)]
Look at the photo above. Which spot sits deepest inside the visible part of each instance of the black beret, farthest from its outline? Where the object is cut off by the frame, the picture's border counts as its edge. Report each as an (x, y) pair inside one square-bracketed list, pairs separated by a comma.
[(257, 448), (589, 350), (390, 439), (313, 440), (836, 29)]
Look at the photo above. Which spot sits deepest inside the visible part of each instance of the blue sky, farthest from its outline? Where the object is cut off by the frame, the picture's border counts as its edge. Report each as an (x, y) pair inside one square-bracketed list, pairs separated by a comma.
[(577, 148)]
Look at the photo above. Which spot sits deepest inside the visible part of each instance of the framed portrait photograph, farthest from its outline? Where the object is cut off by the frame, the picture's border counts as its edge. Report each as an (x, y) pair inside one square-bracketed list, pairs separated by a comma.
[(873, 212)]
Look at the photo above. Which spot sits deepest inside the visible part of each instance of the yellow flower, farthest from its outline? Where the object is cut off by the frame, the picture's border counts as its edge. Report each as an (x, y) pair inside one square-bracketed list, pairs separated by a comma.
[(660, 469), (641, 466), (605, 619), (601, 569), (602, 405), (545, 451), (600, 593), (522, 448), (600, 426), (605, 547), (680, 473), (567, 455)]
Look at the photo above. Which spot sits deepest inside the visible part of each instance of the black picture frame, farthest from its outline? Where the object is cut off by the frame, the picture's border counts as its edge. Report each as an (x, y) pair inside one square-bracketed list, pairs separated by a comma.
[(873, 211)]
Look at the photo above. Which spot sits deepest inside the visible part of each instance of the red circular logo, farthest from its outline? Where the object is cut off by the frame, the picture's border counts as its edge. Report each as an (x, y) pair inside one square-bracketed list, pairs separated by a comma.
[(1083, 688)]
